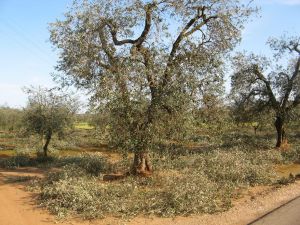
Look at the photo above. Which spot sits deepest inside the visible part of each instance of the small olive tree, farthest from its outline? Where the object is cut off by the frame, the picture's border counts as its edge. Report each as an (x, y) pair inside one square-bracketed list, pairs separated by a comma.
[(262, 86), (48, 112)]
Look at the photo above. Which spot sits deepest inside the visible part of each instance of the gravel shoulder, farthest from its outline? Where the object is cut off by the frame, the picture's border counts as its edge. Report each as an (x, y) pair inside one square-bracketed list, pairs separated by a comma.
[(287, 214), (18, 207)]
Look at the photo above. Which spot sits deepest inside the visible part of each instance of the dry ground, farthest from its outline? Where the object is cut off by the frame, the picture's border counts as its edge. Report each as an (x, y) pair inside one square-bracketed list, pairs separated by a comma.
[(18, 207)]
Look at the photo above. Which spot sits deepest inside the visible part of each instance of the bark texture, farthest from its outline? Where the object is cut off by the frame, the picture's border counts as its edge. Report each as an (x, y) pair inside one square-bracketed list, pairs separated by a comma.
[(141, 164), (279, 124)]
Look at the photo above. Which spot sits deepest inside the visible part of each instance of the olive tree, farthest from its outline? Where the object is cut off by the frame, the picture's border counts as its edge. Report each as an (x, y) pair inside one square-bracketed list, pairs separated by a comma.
[(48, 112), (262, 86), (143, 60)]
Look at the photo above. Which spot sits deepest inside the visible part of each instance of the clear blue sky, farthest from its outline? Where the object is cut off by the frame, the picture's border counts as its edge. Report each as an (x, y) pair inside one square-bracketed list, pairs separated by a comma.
[(27, 57)]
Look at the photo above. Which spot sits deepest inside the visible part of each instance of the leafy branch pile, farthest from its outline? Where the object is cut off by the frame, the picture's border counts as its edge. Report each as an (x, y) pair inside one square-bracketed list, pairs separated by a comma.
[(203, 183)]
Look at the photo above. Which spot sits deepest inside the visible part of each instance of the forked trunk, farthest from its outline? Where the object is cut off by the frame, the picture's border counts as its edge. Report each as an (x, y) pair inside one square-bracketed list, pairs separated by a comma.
[(141, 164), (279, 124)]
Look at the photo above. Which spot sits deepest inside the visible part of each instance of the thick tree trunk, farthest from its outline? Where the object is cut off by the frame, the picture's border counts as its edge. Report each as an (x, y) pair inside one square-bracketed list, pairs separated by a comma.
[(279, 124), (141, 164), (45, 148)]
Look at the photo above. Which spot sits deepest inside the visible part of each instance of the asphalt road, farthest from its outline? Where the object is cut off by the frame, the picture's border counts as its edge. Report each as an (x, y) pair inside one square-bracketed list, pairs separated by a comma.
[(287, 214)]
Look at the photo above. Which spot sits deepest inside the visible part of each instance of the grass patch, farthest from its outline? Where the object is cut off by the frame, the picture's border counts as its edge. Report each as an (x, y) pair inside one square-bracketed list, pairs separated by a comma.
[(17, 161), (91, 163), (83, 126), (286, 180)]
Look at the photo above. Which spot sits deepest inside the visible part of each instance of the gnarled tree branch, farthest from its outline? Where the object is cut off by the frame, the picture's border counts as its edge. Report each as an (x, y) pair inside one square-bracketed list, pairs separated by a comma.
[(140, 40), (185, 33), (270, 93)]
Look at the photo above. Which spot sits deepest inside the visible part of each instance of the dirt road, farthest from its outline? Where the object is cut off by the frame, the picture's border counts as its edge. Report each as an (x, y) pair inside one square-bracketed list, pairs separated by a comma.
[(287, 214), (18, 207)]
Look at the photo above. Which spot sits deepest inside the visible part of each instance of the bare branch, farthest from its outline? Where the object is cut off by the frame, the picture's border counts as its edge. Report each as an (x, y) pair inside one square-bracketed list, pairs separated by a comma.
[(149, 75), (196, 28), (140, 40), (185, 33), (270, 93), (104, 44)]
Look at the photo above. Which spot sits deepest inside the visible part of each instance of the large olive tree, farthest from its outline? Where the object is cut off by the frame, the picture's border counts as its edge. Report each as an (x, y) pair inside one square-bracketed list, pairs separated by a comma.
[(144, 59), (48, 112), (260, 85)]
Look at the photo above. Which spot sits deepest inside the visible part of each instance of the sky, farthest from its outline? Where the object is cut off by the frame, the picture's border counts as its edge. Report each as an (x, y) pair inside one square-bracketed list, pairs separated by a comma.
[(28, 58)]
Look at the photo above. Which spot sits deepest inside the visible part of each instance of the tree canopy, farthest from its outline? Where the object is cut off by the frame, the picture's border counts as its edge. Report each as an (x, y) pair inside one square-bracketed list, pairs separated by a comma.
[(48, 112), (145, 60)]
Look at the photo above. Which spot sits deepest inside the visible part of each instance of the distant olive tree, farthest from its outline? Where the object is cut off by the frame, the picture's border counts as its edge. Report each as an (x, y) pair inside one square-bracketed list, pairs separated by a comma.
[(144, 60), (261, 86), (48, 112)]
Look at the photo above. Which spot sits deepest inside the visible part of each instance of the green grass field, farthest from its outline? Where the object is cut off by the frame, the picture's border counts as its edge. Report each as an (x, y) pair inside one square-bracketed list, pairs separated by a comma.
[(83, 126)]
